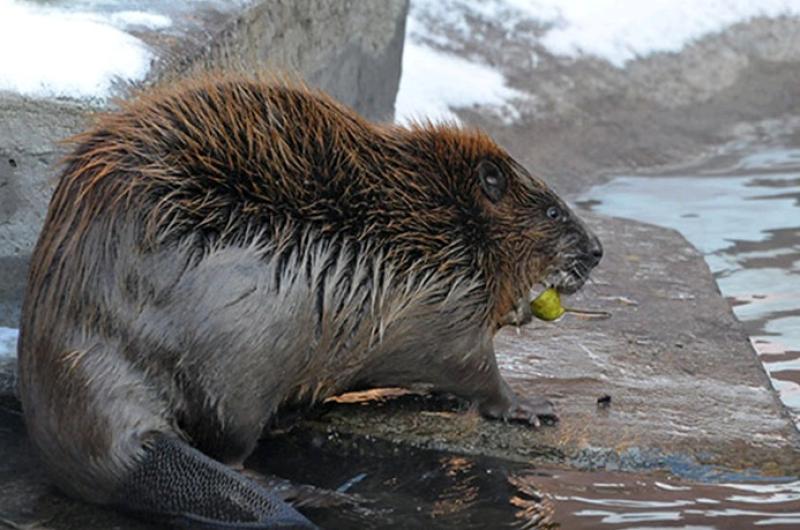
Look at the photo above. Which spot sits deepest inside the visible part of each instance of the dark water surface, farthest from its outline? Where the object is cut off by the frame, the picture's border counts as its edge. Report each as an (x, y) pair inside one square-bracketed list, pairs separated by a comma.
[(401, 487), (430, 489)]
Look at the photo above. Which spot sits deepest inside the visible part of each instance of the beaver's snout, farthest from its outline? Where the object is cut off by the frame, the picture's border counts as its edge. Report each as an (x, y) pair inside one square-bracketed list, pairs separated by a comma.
[(594, 252), (589, 258), (581, 254)]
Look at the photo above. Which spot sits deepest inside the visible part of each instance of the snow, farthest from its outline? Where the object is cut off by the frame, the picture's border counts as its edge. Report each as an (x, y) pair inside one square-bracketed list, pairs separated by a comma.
[(622, 30), (52, 52), (8, 342), (433, 82)]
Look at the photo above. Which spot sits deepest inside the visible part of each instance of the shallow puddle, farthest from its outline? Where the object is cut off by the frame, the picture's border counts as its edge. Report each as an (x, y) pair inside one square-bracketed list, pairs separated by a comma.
[(745, 219)]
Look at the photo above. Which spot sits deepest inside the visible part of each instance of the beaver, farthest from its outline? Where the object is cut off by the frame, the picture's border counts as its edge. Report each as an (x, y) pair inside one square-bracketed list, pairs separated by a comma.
[(226, 246)]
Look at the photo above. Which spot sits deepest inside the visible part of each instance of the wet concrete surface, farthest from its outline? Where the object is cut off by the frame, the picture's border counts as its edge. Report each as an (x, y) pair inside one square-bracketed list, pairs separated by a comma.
[(744, 216)]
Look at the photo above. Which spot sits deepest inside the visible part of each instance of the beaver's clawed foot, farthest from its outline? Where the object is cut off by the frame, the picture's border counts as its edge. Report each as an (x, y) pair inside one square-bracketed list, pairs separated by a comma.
[(534, 411)]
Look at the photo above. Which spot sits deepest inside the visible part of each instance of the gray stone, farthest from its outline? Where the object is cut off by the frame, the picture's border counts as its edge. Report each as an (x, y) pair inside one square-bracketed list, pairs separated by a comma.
[(28, 149), (353, 50)]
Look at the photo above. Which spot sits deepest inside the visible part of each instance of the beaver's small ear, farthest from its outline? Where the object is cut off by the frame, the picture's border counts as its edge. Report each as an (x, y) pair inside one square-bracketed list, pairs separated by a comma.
[(493, 182)]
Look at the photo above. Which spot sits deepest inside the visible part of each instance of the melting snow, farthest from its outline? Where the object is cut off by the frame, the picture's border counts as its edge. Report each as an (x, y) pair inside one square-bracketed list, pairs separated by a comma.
[(52, 52), (434, 82), (621, 30)]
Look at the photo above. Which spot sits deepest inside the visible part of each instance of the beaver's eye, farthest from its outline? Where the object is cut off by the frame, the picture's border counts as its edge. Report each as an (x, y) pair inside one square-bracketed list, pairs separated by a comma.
[(493, 182), (554, 213)]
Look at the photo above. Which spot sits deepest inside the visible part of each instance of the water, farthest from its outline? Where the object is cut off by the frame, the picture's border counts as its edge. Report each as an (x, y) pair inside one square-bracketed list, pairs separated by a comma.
[(746, 220), (414, 488)]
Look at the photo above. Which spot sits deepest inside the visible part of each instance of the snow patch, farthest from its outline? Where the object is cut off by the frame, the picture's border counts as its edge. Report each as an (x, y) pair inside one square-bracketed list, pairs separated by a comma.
[(51, 52), (434, 82), (615, 30), (622, 30), (8, 343)]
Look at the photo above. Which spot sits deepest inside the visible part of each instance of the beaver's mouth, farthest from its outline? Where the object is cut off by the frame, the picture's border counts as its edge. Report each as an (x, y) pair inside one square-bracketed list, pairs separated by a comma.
[(567, 280)]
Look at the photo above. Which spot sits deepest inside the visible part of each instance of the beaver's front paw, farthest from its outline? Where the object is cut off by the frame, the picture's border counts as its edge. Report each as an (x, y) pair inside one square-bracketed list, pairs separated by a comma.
[(519, 316), (534, 411)]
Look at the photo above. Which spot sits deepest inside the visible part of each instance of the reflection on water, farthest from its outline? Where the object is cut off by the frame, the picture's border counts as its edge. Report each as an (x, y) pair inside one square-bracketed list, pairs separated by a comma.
[(400, 487), (429, 489), (631, 501), (746, 220)]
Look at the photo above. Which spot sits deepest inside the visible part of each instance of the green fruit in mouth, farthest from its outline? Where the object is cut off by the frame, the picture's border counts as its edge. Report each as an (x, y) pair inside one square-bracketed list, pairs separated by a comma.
[(547, 306)]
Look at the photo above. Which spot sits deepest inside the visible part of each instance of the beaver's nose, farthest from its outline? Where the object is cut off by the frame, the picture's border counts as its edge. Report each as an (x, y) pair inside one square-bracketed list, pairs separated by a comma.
[(595, 250)]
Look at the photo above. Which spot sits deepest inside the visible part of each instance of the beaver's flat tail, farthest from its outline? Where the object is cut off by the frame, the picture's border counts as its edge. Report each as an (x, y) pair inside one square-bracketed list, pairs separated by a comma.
[(178, 484)]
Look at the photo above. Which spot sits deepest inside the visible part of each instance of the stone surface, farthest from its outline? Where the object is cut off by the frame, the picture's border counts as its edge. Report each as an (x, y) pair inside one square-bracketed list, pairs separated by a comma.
[(350, 49), (28, 149)]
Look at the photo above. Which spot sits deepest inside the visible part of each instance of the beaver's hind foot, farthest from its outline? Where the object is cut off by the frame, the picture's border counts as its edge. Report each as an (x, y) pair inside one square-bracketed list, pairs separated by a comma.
[(177, 484)]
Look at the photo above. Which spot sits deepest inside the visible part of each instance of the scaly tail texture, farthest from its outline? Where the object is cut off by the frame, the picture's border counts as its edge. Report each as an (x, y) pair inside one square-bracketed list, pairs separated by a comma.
[(178, 484)]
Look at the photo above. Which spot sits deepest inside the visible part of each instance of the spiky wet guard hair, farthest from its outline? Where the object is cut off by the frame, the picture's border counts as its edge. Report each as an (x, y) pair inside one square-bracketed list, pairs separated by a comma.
[(227, 155)]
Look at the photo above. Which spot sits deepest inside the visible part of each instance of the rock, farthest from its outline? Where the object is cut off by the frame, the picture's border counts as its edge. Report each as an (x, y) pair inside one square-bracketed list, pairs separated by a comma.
[(28, 150), (351, 49)]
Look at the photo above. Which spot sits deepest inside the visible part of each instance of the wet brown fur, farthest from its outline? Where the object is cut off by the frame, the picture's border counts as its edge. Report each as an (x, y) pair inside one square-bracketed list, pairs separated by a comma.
[(413, 187), (392, 218)]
